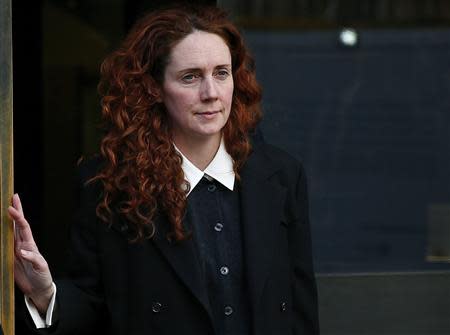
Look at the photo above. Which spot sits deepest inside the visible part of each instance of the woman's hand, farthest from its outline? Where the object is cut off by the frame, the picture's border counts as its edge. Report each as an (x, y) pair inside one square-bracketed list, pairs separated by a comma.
[(31, 272)]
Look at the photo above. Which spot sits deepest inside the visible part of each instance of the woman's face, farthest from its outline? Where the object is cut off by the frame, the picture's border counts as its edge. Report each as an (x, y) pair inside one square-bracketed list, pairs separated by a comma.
[(198, 87)]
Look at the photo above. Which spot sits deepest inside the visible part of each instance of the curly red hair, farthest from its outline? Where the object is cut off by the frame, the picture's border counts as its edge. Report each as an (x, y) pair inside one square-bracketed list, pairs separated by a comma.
[(142, 175)]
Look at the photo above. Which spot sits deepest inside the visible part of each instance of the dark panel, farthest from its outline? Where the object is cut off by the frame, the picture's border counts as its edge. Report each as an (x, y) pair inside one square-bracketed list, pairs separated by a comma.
[(372, 126), (135, 9), (337, 13), (387, 304)]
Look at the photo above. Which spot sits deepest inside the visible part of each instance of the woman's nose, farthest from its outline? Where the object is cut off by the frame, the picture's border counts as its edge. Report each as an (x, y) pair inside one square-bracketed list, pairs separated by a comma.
[(208, 89)]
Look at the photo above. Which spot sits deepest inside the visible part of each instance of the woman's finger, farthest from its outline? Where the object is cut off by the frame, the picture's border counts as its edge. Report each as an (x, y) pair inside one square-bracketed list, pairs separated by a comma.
[(21, 225), (15, 218), (17, 203)]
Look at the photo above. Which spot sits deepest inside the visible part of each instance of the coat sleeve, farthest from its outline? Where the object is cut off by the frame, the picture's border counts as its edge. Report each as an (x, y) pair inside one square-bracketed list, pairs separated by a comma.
[(81, 308), (305, 305)]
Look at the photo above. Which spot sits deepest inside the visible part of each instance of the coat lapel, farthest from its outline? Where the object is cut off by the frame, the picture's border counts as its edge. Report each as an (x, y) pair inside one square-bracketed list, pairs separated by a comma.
[(183, 258), (261, 213)]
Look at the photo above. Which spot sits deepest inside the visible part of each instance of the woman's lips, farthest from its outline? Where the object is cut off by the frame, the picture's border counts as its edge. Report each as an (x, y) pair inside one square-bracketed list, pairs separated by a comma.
[(208, 114)]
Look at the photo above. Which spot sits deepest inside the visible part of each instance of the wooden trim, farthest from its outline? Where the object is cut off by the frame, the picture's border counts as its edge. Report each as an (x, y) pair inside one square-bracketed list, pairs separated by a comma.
[(6, 172)]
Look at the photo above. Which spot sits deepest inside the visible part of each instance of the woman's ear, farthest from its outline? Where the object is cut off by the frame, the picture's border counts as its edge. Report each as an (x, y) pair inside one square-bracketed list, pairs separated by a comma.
[(157, 94)]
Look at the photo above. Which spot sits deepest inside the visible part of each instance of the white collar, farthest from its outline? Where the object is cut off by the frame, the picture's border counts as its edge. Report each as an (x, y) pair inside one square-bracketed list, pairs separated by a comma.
[(220, 169)]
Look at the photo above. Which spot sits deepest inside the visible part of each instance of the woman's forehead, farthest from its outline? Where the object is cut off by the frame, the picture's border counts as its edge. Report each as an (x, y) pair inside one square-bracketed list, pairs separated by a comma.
[(199, 50)]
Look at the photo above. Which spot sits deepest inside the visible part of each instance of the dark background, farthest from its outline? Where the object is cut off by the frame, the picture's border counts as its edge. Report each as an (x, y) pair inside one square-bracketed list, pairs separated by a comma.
[(369, 122), (372, 125)]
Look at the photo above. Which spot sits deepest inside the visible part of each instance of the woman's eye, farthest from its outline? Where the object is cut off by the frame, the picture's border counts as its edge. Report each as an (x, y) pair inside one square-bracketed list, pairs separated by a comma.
[(222, 74), (188, 78)]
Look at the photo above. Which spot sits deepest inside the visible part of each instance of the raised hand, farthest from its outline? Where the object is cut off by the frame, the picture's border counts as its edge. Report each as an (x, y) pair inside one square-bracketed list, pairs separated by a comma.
[(31, 272)]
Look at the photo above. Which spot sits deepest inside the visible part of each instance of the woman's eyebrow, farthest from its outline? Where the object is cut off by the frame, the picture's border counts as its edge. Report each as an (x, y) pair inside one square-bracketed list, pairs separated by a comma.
[(190, 69), (199, 69), (224, 66)]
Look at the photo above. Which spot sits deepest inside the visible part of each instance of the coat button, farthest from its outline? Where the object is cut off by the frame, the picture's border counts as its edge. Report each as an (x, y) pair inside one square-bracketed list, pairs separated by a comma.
[(212, 188), (156, 307), (283, 306), (228, 310)]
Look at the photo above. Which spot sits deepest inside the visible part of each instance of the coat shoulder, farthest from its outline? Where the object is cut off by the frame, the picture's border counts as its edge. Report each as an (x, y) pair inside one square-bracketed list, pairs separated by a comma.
[(281, 155), (282, 161)]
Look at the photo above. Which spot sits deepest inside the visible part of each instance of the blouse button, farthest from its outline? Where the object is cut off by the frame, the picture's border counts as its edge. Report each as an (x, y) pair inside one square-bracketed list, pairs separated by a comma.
[(218, 227), (224, 270), (156, 307), (228, 310)]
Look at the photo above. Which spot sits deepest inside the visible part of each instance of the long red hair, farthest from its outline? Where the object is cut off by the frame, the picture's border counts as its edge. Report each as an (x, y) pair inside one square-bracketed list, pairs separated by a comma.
[(142, 175)]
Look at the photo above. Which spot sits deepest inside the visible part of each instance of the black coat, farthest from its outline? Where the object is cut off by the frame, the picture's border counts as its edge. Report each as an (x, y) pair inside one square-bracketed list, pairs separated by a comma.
[(155, 287)]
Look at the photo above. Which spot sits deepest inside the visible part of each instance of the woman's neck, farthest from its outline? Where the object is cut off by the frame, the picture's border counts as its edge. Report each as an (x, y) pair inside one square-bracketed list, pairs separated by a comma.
[(199, 151)]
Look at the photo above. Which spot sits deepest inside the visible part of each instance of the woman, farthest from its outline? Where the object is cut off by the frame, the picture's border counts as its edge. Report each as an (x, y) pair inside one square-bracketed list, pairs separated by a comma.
[(187, 224)]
